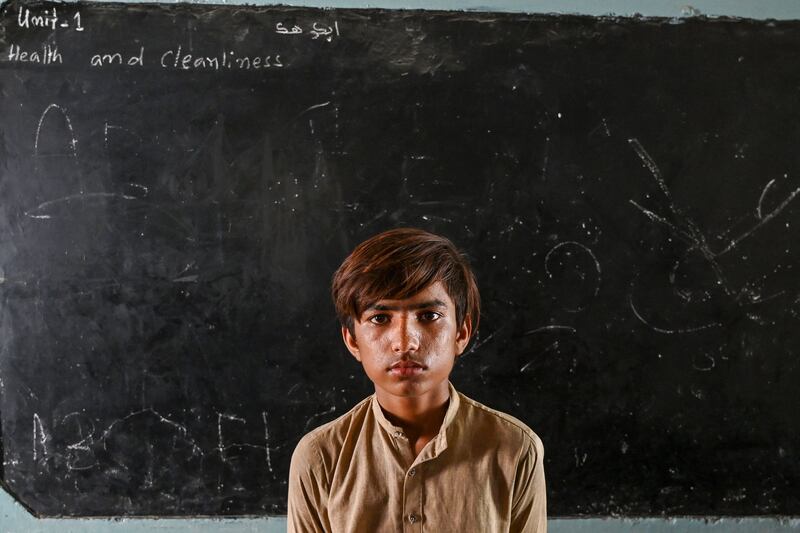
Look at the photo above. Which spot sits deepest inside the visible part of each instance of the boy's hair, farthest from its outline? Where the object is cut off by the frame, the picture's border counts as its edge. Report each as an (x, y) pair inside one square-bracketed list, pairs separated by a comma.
[(399, 263)]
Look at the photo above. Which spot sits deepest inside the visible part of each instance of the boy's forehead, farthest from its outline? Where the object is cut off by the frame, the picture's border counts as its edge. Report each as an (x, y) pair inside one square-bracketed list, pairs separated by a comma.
[(434, 295)]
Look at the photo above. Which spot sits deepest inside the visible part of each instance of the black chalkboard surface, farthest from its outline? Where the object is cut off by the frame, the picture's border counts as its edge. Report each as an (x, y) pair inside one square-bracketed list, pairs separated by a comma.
[(178, 183)]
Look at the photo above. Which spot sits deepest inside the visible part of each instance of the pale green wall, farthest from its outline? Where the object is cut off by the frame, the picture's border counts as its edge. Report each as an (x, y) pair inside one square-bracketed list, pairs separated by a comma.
[(15, 519)]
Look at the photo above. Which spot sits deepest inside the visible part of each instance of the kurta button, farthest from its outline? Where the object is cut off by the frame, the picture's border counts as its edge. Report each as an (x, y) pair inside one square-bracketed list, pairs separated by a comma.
[(413, 518), (398, 434), (412, 472)]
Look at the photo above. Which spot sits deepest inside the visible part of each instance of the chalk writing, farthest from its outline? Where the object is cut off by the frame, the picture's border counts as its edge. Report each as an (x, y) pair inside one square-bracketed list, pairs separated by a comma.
[(150, 412), (280, 28), (47, 19), (221, 447), (81, 456), (317, 30), (178, 59), (116, 58), (224, 444), (45, 55)]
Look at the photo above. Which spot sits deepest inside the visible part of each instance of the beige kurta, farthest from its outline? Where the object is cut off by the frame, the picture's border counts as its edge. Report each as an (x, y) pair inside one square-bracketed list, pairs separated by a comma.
[(482, 473)]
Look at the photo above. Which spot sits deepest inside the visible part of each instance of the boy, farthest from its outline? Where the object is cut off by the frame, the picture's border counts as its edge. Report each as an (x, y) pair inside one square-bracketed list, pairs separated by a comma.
[(416, 455)]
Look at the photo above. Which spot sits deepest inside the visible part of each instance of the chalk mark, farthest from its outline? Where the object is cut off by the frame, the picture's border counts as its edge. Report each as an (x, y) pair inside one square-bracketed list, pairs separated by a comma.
[(596, 265), (553, 327), (551, 347), (691, 232), (545, 158), (149, 410), (220, 447), (266, 441), (107, 127), (81, 197), (40, 435), (761, 198), (478, 344), (772, 214), (83, 445), (73, 140), (318, 415), (694, 235), (661, 220), (664, 330), (652, 167), (708, 367), (316, 106)]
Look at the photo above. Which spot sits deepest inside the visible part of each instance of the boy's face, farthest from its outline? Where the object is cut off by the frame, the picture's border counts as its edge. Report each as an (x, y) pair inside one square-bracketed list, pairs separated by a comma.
[(408, 347)]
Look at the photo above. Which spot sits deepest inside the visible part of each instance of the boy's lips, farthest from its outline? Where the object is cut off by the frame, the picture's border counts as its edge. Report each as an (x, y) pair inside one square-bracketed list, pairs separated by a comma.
[(406, 368), (406, 364)]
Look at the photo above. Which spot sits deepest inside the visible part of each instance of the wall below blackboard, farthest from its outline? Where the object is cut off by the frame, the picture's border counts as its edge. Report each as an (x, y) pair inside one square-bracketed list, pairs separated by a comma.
[(14, 518)]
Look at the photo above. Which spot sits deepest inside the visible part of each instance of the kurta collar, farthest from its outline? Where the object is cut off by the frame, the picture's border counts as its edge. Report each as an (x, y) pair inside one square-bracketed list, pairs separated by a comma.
[(440, 442)]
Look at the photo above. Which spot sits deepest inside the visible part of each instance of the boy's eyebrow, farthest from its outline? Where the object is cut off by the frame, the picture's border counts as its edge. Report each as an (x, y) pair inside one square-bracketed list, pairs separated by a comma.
[(421, 305)]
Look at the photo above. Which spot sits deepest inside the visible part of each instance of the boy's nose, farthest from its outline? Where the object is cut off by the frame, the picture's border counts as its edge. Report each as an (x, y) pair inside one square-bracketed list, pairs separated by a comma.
[(405, 338)]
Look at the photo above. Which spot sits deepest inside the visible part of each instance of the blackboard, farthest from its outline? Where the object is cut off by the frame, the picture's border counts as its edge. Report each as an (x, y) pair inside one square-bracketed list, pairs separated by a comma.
[(178, 183)]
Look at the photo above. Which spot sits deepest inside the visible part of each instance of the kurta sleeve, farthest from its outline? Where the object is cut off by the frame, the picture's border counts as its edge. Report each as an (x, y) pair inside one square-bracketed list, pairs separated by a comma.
[(529, 509), (308, 490)]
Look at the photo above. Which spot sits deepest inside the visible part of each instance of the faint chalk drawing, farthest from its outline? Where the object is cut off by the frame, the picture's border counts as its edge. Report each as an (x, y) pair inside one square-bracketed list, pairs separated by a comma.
[(683, 228), (316, 416), (108, 128), (583, 249), (479, 343), (552, 347), (36, 211), (647, 323), (184, 432), (550, 328), (40, 438), (266, 440), (703, 362), (761, 199), (73, 142), (82, 447)]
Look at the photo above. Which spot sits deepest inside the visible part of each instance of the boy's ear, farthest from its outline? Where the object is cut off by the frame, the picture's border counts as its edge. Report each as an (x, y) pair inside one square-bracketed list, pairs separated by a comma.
[(463, 335), (350, 342)]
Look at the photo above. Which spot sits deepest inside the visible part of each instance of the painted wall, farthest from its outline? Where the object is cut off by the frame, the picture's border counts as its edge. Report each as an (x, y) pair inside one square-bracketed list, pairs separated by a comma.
[(15, 519)]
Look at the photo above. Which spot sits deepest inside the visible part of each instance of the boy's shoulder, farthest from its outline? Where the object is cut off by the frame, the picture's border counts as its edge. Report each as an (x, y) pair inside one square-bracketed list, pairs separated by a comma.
[(473, 420), (496, 425), (330, 435)]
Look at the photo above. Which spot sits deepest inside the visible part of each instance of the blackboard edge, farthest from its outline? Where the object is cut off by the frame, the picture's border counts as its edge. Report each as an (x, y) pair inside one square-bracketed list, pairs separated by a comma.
[(478, 10)]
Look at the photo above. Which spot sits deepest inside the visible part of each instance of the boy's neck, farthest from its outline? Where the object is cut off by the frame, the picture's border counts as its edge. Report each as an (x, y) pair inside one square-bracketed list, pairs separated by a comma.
[(419, 416)]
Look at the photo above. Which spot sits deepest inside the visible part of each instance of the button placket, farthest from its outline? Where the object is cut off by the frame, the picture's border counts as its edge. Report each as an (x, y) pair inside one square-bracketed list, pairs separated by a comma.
[(412, 488)]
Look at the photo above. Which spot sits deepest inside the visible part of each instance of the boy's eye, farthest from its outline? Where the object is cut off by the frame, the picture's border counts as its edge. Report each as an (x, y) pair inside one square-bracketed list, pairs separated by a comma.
[(379, 319), (429, 316)]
